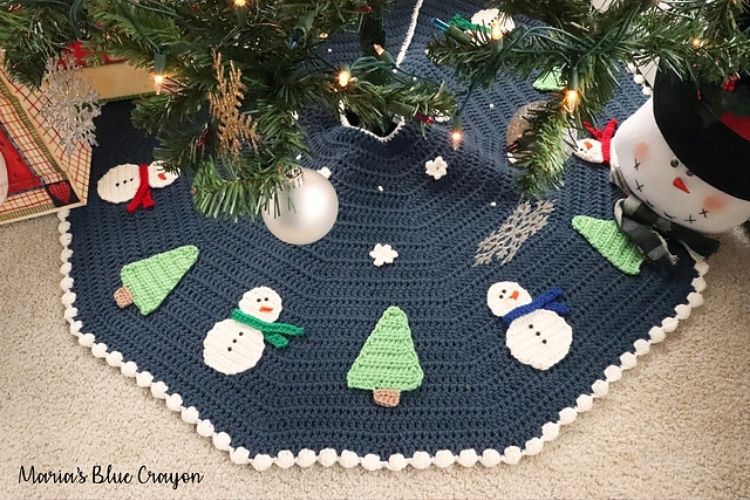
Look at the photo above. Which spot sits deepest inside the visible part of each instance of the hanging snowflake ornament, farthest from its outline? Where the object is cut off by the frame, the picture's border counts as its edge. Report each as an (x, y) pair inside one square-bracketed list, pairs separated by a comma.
[(436, 168), (72, 103), (383, 254)]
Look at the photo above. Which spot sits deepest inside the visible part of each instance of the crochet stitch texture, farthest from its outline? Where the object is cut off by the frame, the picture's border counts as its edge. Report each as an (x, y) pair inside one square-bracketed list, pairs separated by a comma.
[(474, 394)]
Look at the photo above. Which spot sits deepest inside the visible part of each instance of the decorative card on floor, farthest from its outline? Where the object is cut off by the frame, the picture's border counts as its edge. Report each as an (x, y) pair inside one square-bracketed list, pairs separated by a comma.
[(37, 174), (444, 319)]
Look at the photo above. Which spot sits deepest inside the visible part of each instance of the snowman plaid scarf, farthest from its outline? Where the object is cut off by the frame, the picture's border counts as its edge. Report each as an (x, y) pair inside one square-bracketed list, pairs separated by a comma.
[(273, 333), (647, 230)]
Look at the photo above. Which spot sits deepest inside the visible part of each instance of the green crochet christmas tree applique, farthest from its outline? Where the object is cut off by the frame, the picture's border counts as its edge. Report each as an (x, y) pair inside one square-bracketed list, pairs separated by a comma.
[(605, 236), (388, 363), (146, 283), (550, 81)]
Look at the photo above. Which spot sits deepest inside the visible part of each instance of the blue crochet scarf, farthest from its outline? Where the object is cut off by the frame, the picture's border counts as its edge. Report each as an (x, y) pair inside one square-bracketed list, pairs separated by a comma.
[(548, 300)]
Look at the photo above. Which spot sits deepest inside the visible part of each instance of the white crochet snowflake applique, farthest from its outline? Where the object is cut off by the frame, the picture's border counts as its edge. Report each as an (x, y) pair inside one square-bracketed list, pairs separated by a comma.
[(383, 254), (325, 172), (436, 168)]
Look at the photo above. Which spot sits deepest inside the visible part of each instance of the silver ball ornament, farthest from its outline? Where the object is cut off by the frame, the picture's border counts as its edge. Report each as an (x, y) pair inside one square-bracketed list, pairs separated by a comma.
[(305, 212)]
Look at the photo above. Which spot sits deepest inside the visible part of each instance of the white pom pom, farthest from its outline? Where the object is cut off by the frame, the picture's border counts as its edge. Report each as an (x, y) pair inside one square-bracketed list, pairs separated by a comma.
[(189, 415), (695, 299), (600, 388), (65, 255), (99, 350), (628, 361), (75, 327), (66, 239), (444, 459), (568, 415), (642, 346), (669, 324), (647, 91), (328, 457), (639, 79), (468, 458), (397, 462), (371, 462), (325, 172), (683, 311), (159, 390), (144, 379), (534, 446), (68, 298), (63, 227), (240, 456), (174, 402), (262, 462), (584, 403), (65, 268), (613, 373), (421, 460), (550, 431), (66, 283), (87, 339), (701, 267), (657, 334), (205, 428), (512, 455), (306, 458), (348, 459), (631, 67), (699, 284), (114, 359), (285, 459), (491, 458), (63, 214), (221, 441), (70, 313), (129, 369)]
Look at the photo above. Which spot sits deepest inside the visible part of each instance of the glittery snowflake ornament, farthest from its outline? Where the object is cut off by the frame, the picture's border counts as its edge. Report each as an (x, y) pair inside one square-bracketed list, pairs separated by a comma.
[(73, 103)]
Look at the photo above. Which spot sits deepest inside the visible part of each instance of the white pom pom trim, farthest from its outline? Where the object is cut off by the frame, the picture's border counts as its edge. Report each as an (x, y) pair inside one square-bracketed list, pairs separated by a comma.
[(328, 457)]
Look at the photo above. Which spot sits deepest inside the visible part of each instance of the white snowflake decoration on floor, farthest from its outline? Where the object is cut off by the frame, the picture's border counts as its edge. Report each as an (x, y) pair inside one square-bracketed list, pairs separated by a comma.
[(523, 223), (325, 172), (383, 254), (436, 168), (73, 103)]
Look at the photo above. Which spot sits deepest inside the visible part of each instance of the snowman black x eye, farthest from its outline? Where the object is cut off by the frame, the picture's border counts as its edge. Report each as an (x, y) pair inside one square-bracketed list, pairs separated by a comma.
[(689, 173)]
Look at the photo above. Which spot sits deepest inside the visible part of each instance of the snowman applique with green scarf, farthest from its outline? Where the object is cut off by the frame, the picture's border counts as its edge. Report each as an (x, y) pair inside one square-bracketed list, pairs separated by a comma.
[(235, 345)]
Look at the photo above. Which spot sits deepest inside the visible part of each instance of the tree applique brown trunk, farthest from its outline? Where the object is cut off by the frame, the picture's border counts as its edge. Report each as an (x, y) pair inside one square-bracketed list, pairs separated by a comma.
[(123, 297), (386, 397)]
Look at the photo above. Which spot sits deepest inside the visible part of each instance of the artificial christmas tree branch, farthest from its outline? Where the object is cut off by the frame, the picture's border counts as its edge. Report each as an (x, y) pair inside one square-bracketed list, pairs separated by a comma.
[(699, 40), (275, 45)]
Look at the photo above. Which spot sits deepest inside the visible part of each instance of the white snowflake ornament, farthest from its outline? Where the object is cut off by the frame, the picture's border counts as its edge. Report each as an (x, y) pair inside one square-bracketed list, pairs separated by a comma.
[(383, 254), (436, 168), (487, 16)]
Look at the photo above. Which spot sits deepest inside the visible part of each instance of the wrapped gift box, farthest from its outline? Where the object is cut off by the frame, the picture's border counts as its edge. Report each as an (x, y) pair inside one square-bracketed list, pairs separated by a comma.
[(41, 177)]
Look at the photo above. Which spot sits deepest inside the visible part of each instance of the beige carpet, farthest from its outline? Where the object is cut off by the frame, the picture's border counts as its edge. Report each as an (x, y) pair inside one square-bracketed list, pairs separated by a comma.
[(678, 425)]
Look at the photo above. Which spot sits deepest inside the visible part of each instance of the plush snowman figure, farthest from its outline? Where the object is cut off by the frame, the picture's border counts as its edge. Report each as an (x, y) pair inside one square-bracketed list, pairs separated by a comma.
[(662, 181), (537, 334), (235, 345), (123, 182), (684, 155)]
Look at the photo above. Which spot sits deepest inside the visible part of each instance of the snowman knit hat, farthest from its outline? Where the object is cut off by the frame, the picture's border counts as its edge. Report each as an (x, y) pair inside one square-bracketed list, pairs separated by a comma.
[(708, 129)]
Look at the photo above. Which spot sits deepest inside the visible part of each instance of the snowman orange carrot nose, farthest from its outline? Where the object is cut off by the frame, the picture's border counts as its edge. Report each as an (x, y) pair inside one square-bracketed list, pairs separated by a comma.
[(266, 309), (514, 295), (680, 184)]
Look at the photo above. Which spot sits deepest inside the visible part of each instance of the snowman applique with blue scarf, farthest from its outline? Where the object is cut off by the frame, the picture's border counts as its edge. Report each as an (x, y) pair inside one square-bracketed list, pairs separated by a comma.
[(537, 334)]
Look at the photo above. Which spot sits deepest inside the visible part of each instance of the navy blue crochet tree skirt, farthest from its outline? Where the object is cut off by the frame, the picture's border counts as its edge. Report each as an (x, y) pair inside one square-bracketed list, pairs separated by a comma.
[(483, 397)]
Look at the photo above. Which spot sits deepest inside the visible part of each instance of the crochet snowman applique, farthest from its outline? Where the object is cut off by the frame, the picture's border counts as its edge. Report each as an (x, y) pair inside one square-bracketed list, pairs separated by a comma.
[(133, 183), (236, 344), (537, 334)]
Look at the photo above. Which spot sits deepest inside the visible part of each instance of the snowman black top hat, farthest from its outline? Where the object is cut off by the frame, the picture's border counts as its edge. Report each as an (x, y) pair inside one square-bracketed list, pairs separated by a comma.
[(708, 128)]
